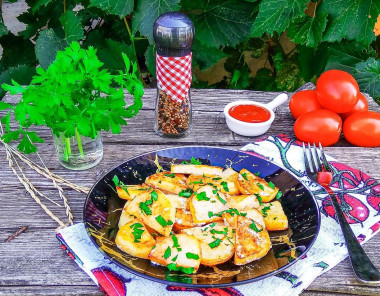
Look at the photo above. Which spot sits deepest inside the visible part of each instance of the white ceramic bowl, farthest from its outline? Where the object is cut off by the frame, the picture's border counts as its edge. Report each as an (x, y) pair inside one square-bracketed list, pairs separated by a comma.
[(252, 128)]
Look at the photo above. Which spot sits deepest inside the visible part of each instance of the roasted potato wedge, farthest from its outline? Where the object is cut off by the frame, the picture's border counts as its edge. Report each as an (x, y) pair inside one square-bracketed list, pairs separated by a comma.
[(177, 201), (198, 170), (183, 220), (204, 204), (129, 192), (154, 209), (243, 202), (217, 242), (274, 216), (166, 181), (251, 242), (125, 217), (134, 239), (255, 215), (249, 183), (175, 249), (225, 185)]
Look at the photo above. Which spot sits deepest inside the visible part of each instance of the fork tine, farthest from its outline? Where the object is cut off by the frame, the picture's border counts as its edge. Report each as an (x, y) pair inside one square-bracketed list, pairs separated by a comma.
[(307, 165), (319, 165), (325, 162), (312, 161)]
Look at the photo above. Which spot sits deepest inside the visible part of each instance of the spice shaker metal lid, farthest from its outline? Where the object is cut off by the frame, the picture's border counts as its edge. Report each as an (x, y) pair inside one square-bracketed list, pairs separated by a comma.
[(173, 33)]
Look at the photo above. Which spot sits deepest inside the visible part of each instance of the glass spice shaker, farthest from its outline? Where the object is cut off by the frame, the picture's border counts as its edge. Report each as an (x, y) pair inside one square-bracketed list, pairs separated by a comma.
[(173, 34)]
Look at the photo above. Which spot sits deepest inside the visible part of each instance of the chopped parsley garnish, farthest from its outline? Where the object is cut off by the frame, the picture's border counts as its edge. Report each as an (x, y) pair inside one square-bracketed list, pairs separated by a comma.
[(259, 199), (264, 210), (161, 220), (215, 243), (144, 208), (225, 187), (274, 218), (186, 192), (244, 175), (175, 243), (260, 186), (175, 258), (170, 175), (257, 174), (192, 161), (231, 211), (170, 222), (120, 184), (137, 231), (116, 180), (254, 227), (198, 182), (271, 185), (279, 194), (213, 201), (212, 224), (217, 178), (174, 267), (167, 253), (215, 191), (192, 256), (154, 195), (210, 214), (202, 196), (221, 199)]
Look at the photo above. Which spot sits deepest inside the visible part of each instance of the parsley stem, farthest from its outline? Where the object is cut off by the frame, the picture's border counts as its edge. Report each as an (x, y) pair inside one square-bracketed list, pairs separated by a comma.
[(68, 146), (64, 147), (79, 141)]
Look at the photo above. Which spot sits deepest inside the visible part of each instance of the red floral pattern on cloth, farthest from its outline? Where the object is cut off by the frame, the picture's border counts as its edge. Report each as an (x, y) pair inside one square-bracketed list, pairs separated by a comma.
[(174, 75)]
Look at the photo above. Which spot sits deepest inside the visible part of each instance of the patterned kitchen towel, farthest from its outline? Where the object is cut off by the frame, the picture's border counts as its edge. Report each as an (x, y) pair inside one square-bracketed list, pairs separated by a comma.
[(359, 195)]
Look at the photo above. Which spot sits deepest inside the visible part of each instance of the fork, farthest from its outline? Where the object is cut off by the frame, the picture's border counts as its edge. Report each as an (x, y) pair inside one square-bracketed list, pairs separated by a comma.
[(363, 268)]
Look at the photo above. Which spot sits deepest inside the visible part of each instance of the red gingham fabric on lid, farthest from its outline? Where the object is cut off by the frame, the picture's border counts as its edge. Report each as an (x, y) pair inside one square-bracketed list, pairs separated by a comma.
[(174, 75)]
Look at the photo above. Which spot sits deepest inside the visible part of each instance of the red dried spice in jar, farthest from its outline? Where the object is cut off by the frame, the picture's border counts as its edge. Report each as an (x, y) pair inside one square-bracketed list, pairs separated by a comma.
[(173, 33)]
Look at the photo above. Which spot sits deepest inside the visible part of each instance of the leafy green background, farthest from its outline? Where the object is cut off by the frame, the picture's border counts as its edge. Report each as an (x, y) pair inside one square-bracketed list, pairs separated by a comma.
[(258, 44)]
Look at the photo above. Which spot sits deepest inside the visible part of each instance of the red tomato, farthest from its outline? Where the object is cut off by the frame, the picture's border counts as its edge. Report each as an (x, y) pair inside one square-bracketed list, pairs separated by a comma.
[(303, 101), (361, 105), (338, 91), (320, 125), (363, 129)]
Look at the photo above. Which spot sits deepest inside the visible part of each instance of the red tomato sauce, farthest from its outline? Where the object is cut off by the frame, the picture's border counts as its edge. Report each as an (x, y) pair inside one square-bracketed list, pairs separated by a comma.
[(249, 113)]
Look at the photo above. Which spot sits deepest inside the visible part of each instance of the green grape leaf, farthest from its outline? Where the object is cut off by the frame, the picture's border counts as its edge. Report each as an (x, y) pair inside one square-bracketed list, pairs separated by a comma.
[(308, 30), (72, 26), (147, 11), (312, 61), (350, 19), (346, 54), (275, 15), (38, 5), (367, 74), (205, 56), (22, 74), (150, 59), (117, 7), (3, 28), (47, 45), (220, 22)]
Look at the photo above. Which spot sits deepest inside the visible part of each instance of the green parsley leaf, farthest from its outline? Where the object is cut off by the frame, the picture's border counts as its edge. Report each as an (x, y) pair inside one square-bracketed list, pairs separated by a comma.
[(195, 161), (168, 253), (264, 210), (210, 214), (257, 174), (215, 243), (173, 267), (170, 175), (254, 227), (137, 231), (225, 186), (175, 258), (154, 195), (188, 270), (260, 186), (145, 209), (244, 175), (275, 218), (259, 199), (184, 162), (186, 192), (279, 194), (198, 182), (221, 199), (271, 185), (161, 220), (170, 222), (175, 242), (202, 196), (217, 178), (192, 256), (116, 180)]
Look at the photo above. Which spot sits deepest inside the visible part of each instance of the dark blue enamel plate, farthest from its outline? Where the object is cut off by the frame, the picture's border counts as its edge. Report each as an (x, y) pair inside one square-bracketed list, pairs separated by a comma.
[(103, 207)]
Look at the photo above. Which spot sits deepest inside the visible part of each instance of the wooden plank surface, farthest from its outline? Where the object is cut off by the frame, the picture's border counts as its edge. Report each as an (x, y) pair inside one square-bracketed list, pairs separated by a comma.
[(34, 264)]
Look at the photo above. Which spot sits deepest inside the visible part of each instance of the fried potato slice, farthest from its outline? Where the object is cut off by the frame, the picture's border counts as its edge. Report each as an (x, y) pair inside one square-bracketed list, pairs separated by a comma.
[(255, 215), (166, 181), (134, 239), (225, 185), (179, 202), (274, 216), (129, 192), (243, 202), (251, 242), (179, 250), (198, 170), (125, 217), (154, 209), (217, 242), (207, 202), (184, 219), (249, 183)]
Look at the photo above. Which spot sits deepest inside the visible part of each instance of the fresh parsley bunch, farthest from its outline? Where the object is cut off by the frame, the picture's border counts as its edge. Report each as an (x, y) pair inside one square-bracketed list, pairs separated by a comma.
[(75, 95)]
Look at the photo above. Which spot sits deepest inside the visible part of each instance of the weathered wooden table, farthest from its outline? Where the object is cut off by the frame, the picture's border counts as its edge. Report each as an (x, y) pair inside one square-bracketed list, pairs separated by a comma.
[(34, 264)]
